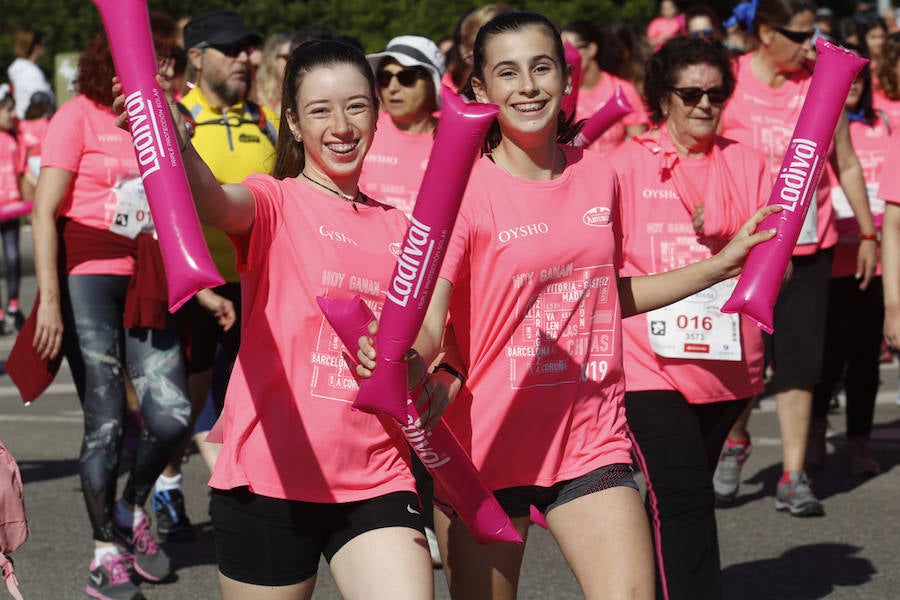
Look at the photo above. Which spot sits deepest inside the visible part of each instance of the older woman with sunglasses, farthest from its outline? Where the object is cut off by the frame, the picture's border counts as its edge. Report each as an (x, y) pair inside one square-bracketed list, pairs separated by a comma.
[(408, 74), (772, 83), (690, 370)]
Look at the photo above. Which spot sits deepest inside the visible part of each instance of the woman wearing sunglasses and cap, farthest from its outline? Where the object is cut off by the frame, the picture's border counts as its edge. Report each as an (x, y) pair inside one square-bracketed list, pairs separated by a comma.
[(690, 369), (408, 74), (772, 83)]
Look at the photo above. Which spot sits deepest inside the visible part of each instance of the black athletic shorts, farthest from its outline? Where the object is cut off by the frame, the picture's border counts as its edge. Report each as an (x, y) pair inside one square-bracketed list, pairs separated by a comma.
[(269, 541), (517, 501)]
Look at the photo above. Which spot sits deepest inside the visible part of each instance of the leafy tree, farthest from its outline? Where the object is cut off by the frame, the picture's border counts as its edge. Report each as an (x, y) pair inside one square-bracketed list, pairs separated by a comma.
[(69, 23)]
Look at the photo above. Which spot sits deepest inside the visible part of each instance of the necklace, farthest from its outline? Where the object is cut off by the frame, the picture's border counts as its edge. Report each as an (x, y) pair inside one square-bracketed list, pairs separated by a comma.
[(351, 199)]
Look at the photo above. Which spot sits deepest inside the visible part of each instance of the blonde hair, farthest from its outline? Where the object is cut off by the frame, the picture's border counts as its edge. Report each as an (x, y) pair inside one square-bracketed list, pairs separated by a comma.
[(268, 78)]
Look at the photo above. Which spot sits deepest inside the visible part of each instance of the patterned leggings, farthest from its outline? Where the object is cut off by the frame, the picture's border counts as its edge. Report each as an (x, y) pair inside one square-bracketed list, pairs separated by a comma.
[(97, 347)]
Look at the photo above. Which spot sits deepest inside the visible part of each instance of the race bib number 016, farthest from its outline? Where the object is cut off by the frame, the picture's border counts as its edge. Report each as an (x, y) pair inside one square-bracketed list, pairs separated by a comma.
[(132, 209), (696, 328)]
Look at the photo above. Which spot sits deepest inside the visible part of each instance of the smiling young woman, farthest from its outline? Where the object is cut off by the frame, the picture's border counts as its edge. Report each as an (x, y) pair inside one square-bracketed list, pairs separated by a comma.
[(530, 283), (300, 475)]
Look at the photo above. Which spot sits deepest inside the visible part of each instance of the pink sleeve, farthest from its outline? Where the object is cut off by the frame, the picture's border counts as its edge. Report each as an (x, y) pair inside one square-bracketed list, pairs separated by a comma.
[(889, 186), (63, 143), (453, 268), (21, 158), (639, 115), (268, 198)]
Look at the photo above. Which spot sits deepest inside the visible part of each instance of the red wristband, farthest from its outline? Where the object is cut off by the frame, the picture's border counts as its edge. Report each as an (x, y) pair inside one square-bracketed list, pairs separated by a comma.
[(873, 237)]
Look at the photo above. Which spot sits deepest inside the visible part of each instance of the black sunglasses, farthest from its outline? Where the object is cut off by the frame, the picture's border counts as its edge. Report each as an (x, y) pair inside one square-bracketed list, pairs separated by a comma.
[(233, 50), (691, 96), (405, 77), (798, 37)]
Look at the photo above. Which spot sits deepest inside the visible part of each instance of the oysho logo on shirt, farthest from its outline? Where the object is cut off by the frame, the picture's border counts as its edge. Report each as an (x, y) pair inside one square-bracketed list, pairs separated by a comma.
[(597, 217), (659, 194), (394, 248), (336, 236), (507, 235)]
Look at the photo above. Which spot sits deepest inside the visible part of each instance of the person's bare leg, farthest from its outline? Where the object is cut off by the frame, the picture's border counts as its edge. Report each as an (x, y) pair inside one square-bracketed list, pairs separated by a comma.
[(479, 571), (605, 538), (794, 407), (236, 590), (208, 450), (391, 563)]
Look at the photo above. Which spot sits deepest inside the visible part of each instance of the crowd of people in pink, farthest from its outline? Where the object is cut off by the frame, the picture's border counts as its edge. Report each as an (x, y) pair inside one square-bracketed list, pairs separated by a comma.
[(573, 340)]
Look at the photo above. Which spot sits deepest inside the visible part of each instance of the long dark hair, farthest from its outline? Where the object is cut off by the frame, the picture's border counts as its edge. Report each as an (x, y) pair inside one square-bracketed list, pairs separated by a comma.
[(289, 155), (510, 22), (864, 105)]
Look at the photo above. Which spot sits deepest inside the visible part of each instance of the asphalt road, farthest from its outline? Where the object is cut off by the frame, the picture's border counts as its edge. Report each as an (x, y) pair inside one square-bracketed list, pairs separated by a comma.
[(851, 553)]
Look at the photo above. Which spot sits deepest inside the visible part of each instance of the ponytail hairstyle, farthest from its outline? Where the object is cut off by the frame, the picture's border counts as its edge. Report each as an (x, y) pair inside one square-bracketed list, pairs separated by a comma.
[(289, 155), (510, 22)]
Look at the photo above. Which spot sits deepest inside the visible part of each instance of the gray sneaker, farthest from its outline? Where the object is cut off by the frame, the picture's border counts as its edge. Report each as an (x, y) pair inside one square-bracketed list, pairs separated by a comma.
[(150, 561), (109, 579), (796, 496), (727, 478)]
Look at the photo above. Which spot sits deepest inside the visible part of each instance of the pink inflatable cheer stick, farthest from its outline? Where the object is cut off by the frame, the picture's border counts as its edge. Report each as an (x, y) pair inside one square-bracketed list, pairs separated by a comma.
[(757, 288), (188, 265), (456, 145), (605, 117), (439, 450), (15, 210), (570, 100)]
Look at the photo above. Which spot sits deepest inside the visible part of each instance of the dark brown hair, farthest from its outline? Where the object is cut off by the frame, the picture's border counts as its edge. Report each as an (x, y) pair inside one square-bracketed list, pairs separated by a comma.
[(886, 71), (290, 157), (507, 23), (676, 54)]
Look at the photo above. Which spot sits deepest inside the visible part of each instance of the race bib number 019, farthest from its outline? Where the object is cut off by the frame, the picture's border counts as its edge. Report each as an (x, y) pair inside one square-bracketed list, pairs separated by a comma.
[(696, 328)]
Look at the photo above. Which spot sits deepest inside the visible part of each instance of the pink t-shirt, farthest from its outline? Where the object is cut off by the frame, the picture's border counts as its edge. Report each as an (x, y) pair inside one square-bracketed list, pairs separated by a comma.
[(664, 28), (447, 79), (82, 138), (871, 145), (394, 166), (12, 165), (32, 134), (536, 313), (889, 184), (658, 236), (590, 101), (765, 117), (891, 108), (288, 428)]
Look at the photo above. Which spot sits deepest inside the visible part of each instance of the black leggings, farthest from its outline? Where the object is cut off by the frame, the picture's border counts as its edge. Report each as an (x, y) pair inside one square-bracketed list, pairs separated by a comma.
[(852, 348), (97, 348), (677, 446), (12, 263)]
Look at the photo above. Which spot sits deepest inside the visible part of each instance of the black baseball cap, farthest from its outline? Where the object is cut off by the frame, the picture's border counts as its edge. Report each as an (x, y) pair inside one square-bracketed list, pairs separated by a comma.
[(217, 27)]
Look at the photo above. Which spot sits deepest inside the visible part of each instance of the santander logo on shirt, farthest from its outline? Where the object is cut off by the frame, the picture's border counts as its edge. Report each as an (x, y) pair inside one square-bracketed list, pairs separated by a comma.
[(597, 216)]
